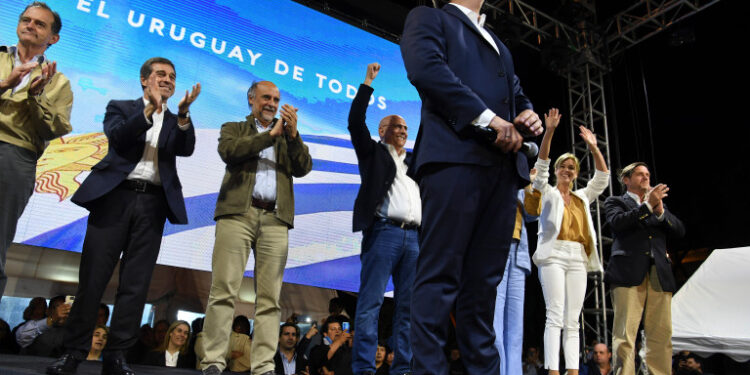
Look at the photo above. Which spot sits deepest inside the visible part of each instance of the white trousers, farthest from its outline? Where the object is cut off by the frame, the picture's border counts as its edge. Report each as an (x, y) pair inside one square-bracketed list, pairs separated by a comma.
[(563, 279)]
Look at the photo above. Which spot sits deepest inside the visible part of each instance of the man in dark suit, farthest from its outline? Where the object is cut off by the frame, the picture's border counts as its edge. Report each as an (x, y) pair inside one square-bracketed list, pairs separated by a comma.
[(465, 77), (290, 359), (254, 211), (639, 270), (388, 211), (129, 195)]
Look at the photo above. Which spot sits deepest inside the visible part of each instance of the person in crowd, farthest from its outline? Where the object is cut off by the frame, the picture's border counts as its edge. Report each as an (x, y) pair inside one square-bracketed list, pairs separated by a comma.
[(102, 317), (44, 337), (240, 345), (389, 357), (388, 211), (36, 102), (334, 354), (531, 363), (8, 343), (129, 194), (137, 352), (381, 367), (639, 271), (160, 331), (254, 211), (290, 358), (566, 248), (695, 363), (600, 363), (172, 351), (455, 364), (98, 342), (467, 182), (55, 316), (510, 293), (37, 309)]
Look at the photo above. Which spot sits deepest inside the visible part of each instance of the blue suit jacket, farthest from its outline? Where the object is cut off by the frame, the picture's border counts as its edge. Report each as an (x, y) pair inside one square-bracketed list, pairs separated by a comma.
[(125, 127), (638, 233), (458, 75)]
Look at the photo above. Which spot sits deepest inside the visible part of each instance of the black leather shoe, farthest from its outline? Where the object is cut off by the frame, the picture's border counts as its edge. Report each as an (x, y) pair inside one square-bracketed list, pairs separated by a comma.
[(116, 365), (65, 365)]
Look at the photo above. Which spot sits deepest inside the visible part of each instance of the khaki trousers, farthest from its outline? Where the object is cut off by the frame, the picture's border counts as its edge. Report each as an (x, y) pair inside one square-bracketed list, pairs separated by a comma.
[(630, 303), (235, 235)]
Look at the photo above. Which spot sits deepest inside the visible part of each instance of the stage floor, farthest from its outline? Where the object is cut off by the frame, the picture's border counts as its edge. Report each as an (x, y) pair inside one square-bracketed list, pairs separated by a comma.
[(28, 365)]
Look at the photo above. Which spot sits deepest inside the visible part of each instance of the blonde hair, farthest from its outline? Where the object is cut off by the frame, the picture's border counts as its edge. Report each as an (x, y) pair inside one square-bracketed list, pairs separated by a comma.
[(569, 155), (165, 345)]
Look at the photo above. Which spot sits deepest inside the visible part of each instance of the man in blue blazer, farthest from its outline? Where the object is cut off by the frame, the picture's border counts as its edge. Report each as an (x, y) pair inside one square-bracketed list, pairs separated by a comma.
[(129, 194), (639, 271), (388, 211), (465, 77)]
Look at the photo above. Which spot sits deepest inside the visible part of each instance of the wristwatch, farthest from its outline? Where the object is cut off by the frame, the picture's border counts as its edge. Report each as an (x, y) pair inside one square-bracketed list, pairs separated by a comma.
[(183, 115)]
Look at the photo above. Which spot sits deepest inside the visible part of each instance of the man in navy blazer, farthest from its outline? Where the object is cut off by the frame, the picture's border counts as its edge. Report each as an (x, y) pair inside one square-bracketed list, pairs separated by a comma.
[(639, 271), (465, 77), (129, 194), (388, 211)]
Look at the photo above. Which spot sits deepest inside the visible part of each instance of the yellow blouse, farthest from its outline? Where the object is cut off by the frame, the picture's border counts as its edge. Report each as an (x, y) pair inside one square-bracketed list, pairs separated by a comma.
[(532, 203), (574, 226)]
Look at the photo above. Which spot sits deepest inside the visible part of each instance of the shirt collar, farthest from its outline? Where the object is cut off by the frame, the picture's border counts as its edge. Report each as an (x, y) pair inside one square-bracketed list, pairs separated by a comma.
[(477, 19), (635, 197), (163, 105), (393, 151), (13, 50)]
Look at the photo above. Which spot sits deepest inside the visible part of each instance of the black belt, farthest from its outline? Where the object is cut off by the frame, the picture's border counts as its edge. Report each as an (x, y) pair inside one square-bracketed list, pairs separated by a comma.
[(140, 186), (400, 224), (266, 205)]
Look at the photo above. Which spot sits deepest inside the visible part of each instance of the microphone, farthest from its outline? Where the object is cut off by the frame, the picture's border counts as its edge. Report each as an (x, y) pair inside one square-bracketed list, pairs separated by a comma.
[(529, 148)]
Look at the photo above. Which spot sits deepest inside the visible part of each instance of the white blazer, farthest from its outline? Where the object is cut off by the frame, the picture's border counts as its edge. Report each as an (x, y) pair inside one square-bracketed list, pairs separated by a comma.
[(552, 213)]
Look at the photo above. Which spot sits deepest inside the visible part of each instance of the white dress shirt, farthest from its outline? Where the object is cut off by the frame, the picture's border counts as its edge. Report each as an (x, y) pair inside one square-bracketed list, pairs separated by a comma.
[(402, 202), (17, 62), (265, 175), (637, 199), (170, 360)]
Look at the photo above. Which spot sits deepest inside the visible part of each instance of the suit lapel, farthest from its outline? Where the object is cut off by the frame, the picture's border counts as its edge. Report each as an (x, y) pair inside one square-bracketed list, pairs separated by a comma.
[(454, 11), (629, 200), (167, 125)]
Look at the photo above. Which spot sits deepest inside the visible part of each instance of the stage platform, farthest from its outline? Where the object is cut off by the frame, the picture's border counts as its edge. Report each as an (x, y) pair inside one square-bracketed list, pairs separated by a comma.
[(30, 365)]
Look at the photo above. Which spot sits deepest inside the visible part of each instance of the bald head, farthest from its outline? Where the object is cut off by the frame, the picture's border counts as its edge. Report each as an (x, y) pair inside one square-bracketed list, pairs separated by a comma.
[(393, 131), (263, 98)]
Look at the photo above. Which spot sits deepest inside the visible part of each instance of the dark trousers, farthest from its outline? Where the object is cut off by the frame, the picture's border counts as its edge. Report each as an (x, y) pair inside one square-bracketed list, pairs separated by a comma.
[(468, 215), (123, 222), (17, 176)]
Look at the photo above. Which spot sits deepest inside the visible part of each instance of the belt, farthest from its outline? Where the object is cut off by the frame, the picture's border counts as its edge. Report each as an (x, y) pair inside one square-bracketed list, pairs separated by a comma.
[(140, 186), (400, 224), (266, 205)]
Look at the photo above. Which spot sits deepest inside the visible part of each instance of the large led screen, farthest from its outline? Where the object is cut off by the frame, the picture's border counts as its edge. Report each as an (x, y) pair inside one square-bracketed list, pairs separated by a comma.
[(316, 61)]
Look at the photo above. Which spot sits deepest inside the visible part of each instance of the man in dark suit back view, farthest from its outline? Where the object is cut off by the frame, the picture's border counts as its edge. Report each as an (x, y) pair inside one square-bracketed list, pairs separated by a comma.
[(465, 78), (129, 195), (639, 271)]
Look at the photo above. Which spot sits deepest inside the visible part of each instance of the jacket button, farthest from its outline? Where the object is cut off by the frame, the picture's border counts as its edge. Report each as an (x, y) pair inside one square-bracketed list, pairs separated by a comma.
[(505, 101)]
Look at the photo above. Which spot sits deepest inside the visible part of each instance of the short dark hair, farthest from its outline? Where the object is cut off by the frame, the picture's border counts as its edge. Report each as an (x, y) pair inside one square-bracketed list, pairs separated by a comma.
[(103, 306), (243, 322), (54, 302), (56, 24), (146, 67), (281, 329), (333, 319)]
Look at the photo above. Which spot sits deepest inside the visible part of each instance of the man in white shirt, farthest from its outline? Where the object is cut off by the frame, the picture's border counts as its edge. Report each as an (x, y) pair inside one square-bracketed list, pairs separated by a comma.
[(129, 194), (388, 211)]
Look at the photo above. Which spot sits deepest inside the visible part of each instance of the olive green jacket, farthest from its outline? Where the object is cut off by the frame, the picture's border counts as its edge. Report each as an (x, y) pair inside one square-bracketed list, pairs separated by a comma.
[(28, 121), (239, 147)]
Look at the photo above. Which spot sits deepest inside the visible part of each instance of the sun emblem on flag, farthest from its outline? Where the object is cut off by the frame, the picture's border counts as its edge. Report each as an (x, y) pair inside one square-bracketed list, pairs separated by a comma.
[(65, 159)]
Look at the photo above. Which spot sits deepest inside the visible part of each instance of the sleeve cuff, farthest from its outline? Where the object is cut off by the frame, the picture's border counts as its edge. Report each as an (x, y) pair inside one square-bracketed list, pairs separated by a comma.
[(484, 119), (183, 127)]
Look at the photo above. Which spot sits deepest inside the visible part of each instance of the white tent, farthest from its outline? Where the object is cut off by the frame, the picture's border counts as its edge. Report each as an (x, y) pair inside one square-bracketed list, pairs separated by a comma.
[(711, 312)]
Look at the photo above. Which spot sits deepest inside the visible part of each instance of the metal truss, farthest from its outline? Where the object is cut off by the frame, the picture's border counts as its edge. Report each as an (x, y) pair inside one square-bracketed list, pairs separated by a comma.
[(647, 18), (587, 107)]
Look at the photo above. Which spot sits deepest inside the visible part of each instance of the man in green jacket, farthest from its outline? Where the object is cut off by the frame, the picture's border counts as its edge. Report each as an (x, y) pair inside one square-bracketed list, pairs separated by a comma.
[(255, 209), (36, 101)]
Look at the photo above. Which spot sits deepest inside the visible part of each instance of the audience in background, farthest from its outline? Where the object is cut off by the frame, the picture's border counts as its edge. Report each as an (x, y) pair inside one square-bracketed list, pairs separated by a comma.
[(7, 341), (98, 342), (600, 363), (240, 344), (531, 363), (102, 316), (381, 367), (172, 351), (145, 344), (290, 358), (334, 354), (44, 337), (160, 330)]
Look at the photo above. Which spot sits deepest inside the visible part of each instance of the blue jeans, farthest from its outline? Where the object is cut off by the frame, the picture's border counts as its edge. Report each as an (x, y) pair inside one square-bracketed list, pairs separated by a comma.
[(509, 314), (386, 250)]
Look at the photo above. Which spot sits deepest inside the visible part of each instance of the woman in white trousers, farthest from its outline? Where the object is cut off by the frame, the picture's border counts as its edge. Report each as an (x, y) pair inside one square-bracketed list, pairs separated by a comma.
[(566, 249)]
